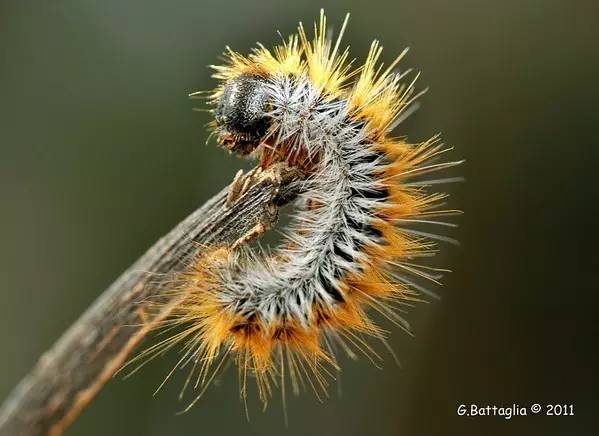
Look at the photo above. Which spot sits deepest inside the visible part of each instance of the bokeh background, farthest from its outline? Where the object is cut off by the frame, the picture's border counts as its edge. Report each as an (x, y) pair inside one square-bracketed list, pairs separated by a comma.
[(100, 154)]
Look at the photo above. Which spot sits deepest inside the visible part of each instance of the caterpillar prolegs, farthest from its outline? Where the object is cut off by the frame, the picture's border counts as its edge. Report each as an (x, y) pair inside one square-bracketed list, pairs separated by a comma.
[(283, 315)]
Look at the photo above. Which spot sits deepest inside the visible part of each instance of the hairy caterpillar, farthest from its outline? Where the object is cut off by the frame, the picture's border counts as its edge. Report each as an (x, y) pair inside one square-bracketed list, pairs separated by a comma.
[(283, 315)]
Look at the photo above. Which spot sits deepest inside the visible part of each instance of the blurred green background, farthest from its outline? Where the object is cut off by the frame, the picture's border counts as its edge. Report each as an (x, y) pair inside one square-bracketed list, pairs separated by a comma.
[(100, 154)]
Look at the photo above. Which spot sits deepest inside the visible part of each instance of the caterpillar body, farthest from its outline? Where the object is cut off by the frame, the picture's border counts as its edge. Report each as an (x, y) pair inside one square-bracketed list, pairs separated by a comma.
[(284, 315)]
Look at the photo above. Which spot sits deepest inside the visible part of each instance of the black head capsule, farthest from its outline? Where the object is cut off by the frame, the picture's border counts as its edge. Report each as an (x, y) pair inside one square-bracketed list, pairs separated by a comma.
[(242, 113)]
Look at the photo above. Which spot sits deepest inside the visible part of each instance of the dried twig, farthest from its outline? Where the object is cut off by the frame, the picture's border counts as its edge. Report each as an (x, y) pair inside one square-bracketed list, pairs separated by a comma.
[(68, 376)]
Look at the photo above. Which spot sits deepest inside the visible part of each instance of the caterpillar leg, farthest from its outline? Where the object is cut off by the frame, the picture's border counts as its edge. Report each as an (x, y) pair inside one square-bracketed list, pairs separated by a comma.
[(255, 232), (241, 183), (278, 174)]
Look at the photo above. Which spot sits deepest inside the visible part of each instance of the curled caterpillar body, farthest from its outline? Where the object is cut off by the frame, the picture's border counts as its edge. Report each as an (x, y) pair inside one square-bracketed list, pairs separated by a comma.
[(283, 314)]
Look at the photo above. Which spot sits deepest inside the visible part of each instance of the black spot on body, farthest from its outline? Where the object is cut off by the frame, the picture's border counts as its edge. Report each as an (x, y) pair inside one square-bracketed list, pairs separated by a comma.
[(380, 193), (342, 254), (368, 158), (322, 317), (372, 231), (365, 229), (279, 333), (329, 288), (247, 327)]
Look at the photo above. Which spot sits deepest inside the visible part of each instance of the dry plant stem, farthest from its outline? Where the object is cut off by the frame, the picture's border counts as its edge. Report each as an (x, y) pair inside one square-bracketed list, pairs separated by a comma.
[(69, 375)]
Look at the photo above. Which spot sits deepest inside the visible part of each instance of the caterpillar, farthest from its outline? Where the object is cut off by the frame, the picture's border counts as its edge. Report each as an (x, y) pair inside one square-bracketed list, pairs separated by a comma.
[(349, 251)]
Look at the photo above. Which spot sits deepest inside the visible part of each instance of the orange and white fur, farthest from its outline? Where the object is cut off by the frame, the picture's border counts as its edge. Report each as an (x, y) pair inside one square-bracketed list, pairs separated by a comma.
[(349, 250)]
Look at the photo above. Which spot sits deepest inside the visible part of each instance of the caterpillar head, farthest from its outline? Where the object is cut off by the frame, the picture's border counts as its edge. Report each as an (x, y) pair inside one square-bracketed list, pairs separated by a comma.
[(241, 113)]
